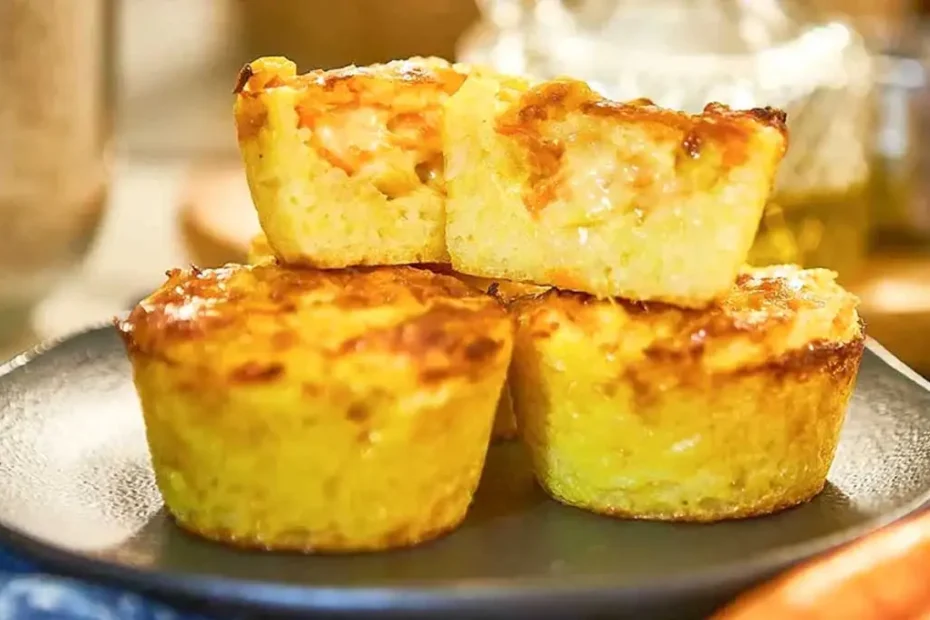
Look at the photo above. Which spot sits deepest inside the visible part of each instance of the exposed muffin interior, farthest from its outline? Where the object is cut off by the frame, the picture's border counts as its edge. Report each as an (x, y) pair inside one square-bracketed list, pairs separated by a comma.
[(554, 184), (345, 166)]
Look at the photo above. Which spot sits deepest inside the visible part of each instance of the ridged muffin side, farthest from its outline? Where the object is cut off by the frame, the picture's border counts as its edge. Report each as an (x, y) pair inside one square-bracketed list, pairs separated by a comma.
[(317, 411), (656, 412)]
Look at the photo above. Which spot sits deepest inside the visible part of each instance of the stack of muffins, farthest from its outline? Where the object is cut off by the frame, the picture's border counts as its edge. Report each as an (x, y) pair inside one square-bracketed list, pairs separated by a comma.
[(431, 229)]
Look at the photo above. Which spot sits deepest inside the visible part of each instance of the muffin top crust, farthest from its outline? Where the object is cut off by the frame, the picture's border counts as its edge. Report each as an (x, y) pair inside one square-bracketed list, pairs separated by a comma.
[(769, 315), (266, 316)]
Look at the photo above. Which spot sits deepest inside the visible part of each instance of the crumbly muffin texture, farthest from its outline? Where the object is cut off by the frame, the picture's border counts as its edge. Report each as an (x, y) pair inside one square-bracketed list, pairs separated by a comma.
[(345, 166)]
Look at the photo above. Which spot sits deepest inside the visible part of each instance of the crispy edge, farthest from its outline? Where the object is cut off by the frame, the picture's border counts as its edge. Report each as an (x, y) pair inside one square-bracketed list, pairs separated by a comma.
[(458, 333), (525, 123), (678, 362)]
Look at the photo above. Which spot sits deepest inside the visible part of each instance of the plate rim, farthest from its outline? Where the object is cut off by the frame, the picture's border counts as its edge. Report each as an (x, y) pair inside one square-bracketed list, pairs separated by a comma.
[(434, 596)]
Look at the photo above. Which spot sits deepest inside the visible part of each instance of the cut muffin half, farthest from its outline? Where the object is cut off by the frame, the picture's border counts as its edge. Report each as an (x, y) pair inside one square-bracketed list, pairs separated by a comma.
[(655, 412), (318, 411), (345, 166), (553, 184)]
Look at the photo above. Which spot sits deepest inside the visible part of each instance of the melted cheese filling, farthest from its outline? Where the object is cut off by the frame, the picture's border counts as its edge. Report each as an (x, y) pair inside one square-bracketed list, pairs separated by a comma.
[(396, 153)]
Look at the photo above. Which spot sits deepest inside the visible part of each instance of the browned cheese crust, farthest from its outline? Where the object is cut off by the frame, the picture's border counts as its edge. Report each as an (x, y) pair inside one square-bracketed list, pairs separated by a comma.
[(436, 321), (770, 323), (402, 94), (530, 122), (651, 411)]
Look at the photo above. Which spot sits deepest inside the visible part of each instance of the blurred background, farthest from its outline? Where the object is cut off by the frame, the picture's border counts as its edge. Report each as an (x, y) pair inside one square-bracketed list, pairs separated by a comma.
[(118, 157)]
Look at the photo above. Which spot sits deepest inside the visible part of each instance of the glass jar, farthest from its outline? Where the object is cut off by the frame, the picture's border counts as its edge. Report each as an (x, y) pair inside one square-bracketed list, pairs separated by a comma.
[(901, 184), (54, 136), (685, 53)]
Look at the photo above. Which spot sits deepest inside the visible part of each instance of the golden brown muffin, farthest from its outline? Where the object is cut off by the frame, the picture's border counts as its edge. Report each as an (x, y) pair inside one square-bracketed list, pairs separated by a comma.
[(655, 412), (318, 411), (345, 166), (554, 184)]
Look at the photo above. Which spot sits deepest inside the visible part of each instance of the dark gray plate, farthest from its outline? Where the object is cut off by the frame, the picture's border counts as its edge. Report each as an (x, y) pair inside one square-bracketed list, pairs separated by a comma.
[(77, 492)]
